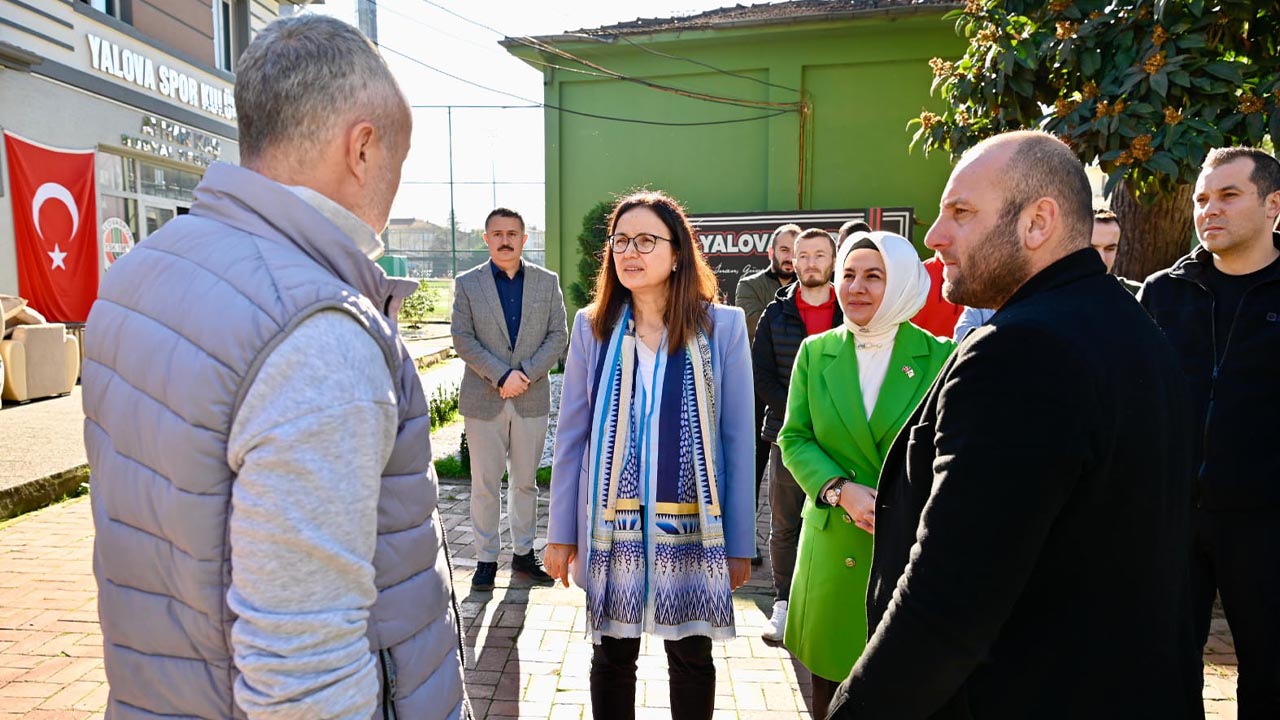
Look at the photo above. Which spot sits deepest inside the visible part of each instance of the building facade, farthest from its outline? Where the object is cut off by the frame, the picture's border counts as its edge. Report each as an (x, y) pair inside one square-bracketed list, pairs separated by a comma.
[(777, 107), (146, 85)]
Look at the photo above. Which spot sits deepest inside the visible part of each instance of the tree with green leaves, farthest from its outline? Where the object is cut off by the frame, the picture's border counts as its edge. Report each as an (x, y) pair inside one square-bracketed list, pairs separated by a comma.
[(1144, 88), (591, 241)]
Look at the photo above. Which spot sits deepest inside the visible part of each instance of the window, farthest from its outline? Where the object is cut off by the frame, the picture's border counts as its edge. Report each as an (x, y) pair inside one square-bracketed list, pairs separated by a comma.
[(119, 9), (141, 194), (117, 190), (231, 24), (165, 182)]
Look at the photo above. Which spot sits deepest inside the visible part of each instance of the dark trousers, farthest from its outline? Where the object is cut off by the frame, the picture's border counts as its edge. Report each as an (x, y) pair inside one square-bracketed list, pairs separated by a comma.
[(762, 449), (1237, 554), (691, 675), (786, 501), (823, 691)]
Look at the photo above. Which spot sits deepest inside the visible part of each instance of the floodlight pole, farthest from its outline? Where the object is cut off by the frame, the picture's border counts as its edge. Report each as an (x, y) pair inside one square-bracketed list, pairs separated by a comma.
[(453, 219)]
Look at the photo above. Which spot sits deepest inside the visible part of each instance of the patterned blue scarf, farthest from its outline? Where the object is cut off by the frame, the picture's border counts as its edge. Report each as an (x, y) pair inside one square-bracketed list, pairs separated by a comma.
[(662, 569)]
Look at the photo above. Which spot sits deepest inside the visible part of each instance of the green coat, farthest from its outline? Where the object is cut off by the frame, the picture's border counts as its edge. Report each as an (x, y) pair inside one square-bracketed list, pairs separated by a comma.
[(825, 435)]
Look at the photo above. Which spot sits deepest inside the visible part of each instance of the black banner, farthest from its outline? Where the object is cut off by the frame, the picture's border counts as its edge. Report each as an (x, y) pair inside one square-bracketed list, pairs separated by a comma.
[(736, 244)]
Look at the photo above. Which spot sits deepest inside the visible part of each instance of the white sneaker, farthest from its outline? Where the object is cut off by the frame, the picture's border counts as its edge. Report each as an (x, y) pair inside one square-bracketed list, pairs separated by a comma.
[(777, 625)]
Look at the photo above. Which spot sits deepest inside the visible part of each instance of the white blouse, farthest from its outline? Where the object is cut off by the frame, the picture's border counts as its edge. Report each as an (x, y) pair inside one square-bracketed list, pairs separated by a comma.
[(874, 350)]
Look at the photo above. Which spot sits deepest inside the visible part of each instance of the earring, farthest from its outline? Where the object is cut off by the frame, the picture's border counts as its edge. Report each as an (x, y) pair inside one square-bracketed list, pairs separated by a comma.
[(673, 267)]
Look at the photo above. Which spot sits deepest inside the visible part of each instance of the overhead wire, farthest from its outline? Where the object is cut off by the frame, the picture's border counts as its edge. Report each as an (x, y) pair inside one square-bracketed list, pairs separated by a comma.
[(605, 73), (581, 113), (545, 47), (700, 63)]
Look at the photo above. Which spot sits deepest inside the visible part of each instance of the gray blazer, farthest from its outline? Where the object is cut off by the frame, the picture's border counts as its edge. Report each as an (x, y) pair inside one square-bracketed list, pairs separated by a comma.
[(480, 338)]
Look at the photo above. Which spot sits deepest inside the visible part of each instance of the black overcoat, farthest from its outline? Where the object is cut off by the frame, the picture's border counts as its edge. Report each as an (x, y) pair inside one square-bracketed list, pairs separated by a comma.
[(1032, 526)]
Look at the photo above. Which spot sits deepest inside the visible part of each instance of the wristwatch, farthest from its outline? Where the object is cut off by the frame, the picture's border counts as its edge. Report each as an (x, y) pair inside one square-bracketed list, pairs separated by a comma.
[(831, 495)]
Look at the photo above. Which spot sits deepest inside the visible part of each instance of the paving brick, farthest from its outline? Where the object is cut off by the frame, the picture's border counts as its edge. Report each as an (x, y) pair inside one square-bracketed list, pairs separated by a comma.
[(70, 694), (29, 690), (528, 655)]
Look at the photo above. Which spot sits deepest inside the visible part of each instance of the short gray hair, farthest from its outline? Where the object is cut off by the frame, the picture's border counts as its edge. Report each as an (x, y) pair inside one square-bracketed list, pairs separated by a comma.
[(303, 77)]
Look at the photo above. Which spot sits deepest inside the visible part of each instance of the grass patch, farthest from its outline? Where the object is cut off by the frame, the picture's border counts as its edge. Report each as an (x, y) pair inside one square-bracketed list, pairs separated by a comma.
[(451, 467)]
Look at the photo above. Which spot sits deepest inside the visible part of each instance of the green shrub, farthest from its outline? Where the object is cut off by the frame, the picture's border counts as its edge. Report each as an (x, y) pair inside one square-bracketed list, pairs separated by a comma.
[(450, 467), (595, 224), (418, 306), (444, 405)]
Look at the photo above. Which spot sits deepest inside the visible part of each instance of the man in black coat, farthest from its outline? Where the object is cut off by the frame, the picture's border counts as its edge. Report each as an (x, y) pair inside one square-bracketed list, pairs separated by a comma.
[(1220, 307), (1032, 521)]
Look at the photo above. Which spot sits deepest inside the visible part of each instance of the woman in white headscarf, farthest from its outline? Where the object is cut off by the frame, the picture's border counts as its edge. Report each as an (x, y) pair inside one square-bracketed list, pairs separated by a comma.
[(851, 391)]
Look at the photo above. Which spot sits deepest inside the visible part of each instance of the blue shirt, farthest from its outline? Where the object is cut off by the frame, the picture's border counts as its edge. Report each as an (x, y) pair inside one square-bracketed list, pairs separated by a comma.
[(970, 319), (511, 295)]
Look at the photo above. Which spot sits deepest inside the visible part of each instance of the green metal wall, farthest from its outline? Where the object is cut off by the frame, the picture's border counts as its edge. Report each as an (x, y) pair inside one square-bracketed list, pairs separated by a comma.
[(865, 78)]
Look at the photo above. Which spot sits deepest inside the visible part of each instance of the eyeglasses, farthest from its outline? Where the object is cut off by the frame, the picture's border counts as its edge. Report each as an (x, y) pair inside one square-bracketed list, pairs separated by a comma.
[(644, 242)]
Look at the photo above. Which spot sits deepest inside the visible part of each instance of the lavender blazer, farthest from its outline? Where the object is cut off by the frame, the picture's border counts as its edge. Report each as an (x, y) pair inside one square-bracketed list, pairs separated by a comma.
[(735, 429)]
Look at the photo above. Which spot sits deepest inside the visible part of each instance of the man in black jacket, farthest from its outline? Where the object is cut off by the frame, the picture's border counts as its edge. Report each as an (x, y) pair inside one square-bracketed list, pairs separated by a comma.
[(801, 309), (1220, 307), (1032, 521)]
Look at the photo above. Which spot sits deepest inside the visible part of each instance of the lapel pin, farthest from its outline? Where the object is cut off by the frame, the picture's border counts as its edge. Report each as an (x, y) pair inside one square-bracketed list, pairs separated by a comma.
[(906, 370)]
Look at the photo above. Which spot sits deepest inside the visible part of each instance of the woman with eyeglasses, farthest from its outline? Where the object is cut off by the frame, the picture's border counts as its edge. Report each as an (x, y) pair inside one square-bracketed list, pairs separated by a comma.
[(652, 487), (851, 390)]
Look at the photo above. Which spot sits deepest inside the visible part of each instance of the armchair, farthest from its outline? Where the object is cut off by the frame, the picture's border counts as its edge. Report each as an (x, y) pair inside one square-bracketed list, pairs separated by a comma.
[(39, 361)]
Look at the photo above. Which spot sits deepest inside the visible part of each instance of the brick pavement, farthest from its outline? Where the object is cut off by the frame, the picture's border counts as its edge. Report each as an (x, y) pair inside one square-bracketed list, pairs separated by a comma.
[(526, 654)]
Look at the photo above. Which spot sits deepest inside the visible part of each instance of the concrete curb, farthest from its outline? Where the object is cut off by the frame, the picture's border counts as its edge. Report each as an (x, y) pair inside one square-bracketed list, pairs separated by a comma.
[(41, 492), (439, 356)]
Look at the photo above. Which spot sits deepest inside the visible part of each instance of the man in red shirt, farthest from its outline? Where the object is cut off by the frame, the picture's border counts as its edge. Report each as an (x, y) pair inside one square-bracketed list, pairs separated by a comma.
[(937, 316), (800, 309)]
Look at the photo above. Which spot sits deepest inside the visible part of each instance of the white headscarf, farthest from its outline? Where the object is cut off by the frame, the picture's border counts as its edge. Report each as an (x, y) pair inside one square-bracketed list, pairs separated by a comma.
[(906, 288), (906, 281)]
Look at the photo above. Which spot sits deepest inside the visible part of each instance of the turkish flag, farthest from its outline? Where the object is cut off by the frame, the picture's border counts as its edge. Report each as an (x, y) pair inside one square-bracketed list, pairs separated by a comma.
[(54, 227)]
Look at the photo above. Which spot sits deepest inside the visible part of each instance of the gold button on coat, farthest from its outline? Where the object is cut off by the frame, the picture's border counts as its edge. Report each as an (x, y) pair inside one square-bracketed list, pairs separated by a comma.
[(849, 562)]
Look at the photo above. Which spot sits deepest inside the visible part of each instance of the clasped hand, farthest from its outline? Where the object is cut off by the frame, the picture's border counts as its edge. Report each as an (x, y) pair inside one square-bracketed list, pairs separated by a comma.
[(514, 386), (860, 502)]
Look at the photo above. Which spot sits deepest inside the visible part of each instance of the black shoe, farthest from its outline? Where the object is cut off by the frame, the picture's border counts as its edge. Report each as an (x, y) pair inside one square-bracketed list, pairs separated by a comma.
[(530, 565), (485, 573), (757, 561)]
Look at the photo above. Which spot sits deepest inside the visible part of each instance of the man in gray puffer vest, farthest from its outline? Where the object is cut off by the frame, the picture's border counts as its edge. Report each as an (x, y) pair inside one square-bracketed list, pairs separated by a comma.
[(267, 538)]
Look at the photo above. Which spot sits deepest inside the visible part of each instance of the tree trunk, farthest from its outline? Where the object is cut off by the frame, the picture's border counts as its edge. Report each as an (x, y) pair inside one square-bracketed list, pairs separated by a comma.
[(1152, 236)]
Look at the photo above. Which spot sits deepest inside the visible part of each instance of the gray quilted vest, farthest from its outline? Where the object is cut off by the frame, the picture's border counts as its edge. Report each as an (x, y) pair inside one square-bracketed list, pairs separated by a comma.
[(181, 326)]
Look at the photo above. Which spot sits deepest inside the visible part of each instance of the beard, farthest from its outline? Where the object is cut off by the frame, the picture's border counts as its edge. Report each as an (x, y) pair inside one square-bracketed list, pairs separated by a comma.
[(993, 269), (777, 270), (810, 281)]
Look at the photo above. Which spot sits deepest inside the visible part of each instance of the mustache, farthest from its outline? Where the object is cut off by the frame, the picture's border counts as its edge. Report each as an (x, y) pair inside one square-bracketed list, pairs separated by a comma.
[(506, 247)]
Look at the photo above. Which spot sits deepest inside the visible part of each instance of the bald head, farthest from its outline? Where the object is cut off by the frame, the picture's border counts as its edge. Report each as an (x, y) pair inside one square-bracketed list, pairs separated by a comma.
[(1037, 165), (1015, 204)]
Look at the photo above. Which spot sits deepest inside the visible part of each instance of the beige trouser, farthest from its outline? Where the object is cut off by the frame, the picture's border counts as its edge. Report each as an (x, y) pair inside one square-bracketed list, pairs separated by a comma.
[(512, 444)]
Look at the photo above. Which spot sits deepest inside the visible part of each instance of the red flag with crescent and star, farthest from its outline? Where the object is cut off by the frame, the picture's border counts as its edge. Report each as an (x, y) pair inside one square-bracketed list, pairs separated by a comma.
[(54, 227)]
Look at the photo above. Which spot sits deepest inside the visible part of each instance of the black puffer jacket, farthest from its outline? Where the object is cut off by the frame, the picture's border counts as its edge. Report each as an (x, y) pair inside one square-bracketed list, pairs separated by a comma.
[(773, 354), (1234, 401)]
